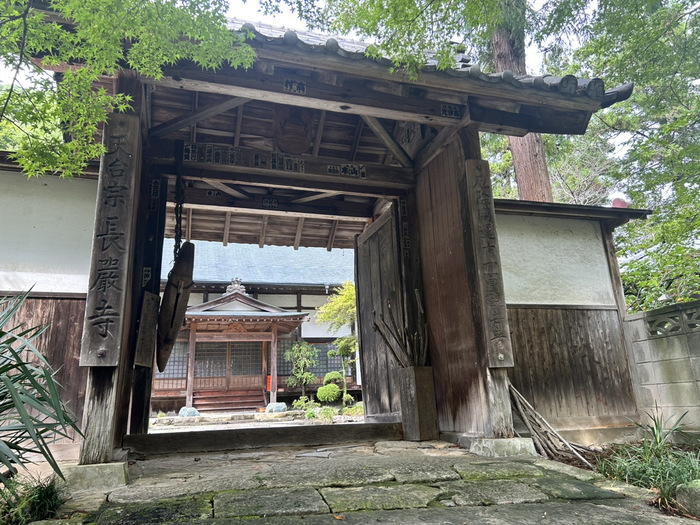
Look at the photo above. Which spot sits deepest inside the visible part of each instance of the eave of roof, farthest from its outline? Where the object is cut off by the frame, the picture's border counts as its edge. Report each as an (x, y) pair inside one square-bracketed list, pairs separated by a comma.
[(611, 216)]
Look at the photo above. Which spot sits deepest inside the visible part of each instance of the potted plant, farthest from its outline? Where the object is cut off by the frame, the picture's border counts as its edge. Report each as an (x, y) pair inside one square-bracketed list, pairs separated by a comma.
[(415, 378)]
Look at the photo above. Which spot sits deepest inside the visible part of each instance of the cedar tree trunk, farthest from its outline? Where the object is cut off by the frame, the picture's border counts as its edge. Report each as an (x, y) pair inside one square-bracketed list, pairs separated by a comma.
[(529, 162)]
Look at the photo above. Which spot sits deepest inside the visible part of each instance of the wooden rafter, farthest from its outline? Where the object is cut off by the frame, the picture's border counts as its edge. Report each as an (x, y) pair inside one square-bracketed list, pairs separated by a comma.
[(331, 236), (239, 125), (394, 147), (356, 139), (300, 228), (187, 120), (227, 227), (434, 147), (319, 133), (238, 193), (315, 197), (263, 230)]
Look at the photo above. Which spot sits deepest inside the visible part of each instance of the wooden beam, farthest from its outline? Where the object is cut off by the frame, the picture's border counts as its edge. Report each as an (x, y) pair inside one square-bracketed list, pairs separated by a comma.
[(323, 185), (227, 227), (319, 134), (316, 196), (195, 107), (187, 120), (300, 228), (189, 382), (331, 236), (356, 139), (239, 124), (198, 199), (263, 230), (239, 194), (340, 99), (394, 147), (273, 365), (222, 337), (433, 148)]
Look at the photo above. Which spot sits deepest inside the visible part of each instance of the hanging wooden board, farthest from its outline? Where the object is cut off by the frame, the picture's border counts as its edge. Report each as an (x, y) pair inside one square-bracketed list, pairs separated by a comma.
[(174, 304), (146, 341)]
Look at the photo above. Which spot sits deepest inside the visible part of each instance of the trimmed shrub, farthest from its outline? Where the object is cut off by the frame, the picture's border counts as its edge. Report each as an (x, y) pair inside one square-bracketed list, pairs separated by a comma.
[(333, 377), (328, 393)]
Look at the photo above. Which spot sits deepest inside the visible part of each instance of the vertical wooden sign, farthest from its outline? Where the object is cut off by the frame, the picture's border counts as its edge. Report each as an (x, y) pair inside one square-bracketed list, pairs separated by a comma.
[(109, 282), (488, 260)]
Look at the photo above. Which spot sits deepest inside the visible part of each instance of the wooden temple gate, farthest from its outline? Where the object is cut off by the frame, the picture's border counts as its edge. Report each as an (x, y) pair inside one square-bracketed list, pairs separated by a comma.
[(319, 146)]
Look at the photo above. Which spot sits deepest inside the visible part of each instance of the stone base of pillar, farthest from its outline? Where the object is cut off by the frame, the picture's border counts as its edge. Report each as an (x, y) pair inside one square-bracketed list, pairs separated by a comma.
[(492, 448)]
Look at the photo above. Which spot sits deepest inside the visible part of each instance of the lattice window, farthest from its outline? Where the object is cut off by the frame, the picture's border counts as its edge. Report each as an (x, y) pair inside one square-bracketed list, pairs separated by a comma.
[(246, 358), (177, 364), (210, 360), (284, 367), (325, 364)]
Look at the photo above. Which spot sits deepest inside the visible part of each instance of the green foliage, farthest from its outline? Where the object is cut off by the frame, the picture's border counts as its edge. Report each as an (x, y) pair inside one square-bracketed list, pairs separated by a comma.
[(303, 357), (31, 411), (340, 309), (24, 502), (406, 31), (356, 410), (327, 414), (101, 38), (348, 400), (654, 463), (333, 377), (304, 403), (329, 393)]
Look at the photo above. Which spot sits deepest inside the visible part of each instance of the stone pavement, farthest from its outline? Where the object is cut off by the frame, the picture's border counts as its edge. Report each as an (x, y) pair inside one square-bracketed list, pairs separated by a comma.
[(391, 482)]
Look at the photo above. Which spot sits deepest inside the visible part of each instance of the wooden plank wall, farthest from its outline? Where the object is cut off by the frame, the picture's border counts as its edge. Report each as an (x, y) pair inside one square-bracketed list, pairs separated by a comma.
[(60, 344), (570, 363), (457, 367)]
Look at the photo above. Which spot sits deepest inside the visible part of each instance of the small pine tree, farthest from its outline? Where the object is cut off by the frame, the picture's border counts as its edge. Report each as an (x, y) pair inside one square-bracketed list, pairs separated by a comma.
[(303, 357)]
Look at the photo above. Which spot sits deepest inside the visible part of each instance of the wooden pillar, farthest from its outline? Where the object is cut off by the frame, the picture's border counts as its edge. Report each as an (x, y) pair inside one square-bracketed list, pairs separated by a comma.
[(190, 365), (107, 328), (491, 315), (149, 242), (273, 364)]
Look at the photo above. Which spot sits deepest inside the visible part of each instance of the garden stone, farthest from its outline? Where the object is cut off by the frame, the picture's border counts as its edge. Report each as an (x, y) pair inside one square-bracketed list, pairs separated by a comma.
[(276, 407), (188, 412), (378, 497), (688, 497), (269, 502)]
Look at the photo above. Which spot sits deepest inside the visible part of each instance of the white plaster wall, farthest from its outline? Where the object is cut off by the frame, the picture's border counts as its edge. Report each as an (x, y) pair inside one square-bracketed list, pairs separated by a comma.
[(553, 261), (309, 328), (281, 300), (45, 232)]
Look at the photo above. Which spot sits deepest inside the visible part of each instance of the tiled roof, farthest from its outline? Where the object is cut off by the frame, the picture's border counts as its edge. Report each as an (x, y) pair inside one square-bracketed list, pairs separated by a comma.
[(214, 262), (322, 44)]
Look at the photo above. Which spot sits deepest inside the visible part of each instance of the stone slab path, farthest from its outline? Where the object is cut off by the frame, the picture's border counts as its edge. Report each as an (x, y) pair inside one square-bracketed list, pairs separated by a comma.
[(386, 482)]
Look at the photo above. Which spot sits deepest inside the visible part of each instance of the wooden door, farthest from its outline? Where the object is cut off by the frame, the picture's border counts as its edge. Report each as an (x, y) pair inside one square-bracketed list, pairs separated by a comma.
[(378, 280)]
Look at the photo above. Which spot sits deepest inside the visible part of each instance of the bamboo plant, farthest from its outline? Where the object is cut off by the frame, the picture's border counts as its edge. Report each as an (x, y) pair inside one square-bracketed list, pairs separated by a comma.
[(409, 347)]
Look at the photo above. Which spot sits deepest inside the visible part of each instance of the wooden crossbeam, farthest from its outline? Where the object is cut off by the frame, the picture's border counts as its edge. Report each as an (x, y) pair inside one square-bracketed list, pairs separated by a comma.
[(319, 134), (300, 228), (239, 194), (435, 146), (315, 197), (331, 235), (339, 99), (188, 228), (263, 230), (196, 116), (394, 147)]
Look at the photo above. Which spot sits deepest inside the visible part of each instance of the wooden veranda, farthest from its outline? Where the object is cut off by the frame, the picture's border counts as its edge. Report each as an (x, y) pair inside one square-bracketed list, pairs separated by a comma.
[(318, 145)]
